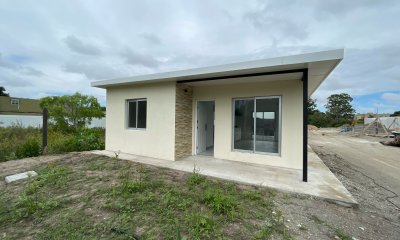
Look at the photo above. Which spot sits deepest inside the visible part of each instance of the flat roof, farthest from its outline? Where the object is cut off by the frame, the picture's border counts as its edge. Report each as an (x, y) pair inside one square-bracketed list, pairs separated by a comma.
[(319, 65)]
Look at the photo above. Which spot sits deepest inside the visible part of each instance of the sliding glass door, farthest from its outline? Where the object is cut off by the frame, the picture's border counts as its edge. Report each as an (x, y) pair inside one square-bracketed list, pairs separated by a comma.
[(257, 124), (244, 124)]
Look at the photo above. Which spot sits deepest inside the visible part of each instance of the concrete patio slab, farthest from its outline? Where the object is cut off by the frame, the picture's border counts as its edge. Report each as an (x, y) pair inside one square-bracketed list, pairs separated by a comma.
[(322, 183)]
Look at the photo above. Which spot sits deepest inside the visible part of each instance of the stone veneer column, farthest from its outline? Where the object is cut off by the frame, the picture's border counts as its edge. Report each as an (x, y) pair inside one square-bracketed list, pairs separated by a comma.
[(183, 120)]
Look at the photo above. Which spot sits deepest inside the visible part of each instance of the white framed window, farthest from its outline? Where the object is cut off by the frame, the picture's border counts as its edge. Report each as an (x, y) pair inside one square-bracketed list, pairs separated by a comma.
[(14, 101), (257, 124), (136, 112)]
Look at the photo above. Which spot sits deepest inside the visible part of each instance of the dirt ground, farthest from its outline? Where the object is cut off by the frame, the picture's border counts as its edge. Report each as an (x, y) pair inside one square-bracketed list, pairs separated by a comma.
[(364, 154), (370, 171), (371, 183)]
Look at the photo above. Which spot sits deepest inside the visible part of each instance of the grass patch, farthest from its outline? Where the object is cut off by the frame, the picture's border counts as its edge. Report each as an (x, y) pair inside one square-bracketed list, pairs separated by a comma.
[(73, 225), (221, 203), (252, 195), (202, 225), (342, 235), (39, 197), (92, 197), (195, 179)]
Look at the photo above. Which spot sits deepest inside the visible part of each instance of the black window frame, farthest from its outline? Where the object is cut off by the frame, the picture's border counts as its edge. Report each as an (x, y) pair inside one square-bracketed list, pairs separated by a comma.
[(135, 101)]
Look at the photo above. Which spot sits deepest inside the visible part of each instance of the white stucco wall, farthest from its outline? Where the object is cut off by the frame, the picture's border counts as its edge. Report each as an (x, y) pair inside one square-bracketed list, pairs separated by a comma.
[(291, 133), (157, 140)]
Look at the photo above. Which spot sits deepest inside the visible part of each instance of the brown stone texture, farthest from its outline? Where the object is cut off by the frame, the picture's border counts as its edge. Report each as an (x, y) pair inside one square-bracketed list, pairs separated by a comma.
[(183, 121)]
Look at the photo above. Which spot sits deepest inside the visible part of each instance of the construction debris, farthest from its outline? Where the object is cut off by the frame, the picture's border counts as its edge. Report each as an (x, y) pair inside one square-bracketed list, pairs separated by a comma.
[(20, 176)]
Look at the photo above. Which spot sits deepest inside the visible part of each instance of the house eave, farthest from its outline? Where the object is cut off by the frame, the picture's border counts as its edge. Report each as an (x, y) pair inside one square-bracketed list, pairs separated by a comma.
[(320, 65)]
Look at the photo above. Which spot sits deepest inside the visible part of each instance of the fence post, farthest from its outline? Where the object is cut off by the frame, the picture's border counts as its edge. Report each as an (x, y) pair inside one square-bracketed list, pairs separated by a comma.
[(44, 130)]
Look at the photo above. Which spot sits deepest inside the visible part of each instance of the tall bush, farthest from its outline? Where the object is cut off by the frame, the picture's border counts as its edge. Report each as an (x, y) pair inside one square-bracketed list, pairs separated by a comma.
[(69, 113), (30, 148)]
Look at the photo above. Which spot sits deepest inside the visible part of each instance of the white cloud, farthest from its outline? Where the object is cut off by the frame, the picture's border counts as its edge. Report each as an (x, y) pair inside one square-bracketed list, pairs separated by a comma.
[(62, 45), (151, 38), (393, 98), (15, 67), (91, 71), (140, 59), (75, 44)]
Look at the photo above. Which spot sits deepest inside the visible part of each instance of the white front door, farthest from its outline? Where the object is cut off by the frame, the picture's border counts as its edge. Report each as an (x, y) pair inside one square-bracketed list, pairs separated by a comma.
[(201, 127)]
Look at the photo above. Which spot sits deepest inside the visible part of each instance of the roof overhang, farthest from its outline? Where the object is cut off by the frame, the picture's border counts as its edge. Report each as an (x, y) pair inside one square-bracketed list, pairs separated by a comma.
[(319, 65)]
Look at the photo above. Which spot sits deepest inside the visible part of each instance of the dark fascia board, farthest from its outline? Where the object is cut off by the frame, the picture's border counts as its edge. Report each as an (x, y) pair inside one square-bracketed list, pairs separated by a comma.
[(302, 70)]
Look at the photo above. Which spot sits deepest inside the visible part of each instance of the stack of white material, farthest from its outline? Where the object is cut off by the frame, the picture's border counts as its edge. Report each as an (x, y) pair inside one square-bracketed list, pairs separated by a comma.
[(20, 176)]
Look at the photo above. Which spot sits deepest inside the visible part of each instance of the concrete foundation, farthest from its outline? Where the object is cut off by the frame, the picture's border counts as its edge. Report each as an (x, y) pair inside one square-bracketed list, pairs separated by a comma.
[(322, 182)]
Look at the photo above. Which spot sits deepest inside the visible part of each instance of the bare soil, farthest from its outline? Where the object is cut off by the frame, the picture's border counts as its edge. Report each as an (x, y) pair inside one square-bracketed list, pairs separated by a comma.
[(370, 171)]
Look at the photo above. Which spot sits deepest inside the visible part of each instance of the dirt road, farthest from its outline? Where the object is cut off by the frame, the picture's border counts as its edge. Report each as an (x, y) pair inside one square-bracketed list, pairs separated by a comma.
[(365, 154)]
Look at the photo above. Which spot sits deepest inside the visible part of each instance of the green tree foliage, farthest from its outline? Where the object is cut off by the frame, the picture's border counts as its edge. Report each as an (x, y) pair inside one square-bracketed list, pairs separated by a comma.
[(395, 114), (3, 92), (312, 106), (72, 112), (339, 109), (318, 119), (315, 117)]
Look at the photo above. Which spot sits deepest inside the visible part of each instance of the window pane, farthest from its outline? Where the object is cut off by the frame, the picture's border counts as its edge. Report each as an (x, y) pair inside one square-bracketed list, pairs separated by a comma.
[(267, 125), (132, 114), (142, 106), (244, 124)]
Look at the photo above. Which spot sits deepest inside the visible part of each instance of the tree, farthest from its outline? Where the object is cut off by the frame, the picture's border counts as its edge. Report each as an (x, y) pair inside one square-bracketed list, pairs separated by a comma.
[(318, 119), (312, 106), (395, 114), (71, 112), (339, 109), (3, 92)]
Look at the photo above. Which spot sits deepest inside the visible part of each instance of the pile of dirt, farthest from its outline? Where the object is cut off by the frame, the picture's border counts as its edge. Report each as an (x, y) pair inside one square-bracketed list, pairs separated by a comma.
[(312, 127), (394, 143)]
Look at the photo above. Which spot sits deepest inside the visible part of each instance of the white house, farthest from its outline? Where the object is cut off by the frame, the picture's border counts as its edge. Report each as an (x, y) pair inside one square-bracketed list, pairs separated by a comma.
[(254, 112)]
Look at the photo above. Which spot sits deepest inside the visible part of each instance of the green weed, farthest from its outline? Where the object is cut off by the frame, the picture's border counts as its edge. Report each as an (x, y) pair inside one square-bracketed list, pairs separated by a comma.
[(195, 179), (275, 226), (221, 203), (30, 148), (317, 219), (19, 142), (34, 200), (71, 225), (132, 201), (202, 225), (252, 195), (35, 204), (342, 235)]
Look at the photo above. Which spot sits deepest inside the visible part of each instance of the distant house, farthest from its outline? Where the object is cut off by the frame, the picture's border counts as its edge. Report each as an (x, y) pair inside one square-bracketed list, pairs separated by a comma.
[(19, 106), (359, 116), (253, 112)]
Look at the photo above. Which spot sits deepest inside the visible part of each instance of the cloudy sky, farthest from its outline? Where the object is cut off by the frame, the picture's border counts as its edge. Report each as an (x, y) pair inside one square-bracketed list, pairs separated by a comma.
[(59, 47)]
